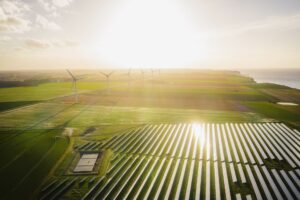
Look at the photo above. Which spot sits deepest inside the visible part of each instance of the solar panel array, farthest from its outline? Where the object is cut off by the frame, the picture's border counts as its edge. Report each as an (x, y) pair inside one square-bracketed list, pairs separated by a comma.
[(203, 160)]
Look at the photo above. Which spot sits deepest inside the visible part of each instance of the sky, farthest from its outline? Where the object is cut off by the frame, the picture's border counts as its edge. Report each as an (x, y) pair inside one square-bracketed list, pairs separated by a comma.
[(210, 34)]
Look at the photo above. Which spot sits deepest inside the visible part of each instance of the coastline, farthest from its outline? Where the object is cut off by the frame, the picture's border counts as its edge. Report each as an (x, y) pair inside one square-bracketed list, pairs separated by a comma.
[(286, 77)]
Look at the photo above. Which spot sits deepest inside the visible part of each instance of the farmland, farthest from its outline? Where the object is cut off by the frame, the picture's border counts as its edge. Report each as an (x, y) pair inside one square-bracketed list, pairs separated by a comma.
[(161, 131), (43, 91)]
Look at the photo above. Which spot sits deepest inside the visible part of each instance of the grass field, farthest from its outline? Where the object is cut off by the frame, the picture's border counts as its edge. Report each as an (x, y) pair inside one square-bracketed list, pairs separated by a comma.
[(45, 91), (33, 118), (12, 105), (282, 113), (29, 157)]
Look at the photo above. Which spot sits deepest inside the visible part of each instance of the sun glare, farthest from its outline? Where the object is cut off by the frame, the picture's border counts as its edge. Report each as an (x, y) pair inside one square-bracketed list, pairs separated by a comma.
[(199, 133), (148, 33)]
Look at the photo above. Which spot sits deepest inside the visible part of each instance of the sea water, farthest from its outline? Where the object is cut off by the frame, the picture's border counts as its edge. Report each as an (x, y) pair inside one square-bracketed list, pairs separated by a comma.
[(287, 77)]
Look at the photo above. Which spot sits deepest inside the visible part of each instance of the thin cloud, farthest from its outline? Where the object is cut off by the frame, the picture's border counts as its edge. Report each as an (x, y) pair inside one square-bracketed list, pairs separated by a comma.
[(284, 23), (64, 43), (37, 44), (44, 23), (62, 3), (44, 44), (54, 5), (14, 24), (276, 23), (14, 7), (12, 17), (5, 38)]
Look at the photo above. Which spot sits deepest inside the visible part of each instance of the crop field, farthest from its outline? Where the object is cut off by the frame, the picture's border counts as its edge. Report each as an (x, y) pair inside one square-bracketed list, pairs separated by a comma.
[(45, 91), (51, 114), (195, 161)]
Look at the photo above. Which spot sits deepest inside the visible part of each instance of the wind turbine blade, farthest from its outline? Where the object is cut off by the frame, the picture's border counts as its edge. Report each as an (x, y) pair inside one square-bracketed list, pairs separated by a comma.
[(110, 73), (82, 76), (73, 77), (129, 72), (104, 74)]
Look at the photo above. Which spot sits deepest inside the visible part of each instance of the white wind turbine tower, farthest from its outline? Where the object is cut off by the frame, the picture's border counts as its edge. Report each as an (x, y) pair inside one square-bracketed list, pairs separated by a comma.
[(74, 85), (152, 72), (143, 74), (152, 75), (107, 77), (129, 76)]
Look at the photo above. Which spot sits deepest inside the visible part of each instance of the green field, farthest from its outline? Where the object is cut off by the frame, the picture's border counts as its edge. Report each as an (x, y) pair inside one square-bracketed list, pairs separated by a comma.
[(46, 91), (28, 157), (33, 118)]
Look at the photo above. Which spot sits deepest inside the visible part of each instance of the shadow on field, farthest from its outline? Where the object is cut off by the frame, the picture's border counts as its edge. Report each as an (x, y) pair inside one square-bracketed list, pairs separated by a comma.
[(5, 106), (35, 124)]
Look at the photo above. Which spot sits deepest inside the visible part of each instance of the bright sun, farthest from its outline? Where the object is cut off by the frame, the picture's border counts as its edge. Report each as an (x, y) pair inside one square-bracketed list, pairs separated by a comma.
[(148, 33)]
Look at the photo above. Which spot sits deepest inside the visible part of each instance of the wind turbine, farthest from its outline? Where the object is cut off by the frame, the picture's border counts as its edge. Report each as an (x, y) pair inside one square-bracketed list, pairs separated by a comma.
[(74, 85), (143, 74), (107, 77), (129, 76), (152, 73)]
